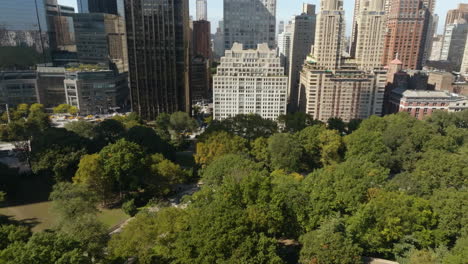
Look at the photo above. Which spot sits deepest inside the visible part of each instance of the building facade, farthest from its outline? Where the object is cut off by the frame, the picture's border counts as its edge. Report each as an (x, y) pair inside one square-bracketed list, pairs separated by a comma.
[(250, 82), (370, 35), (302, 39), (50, 86), (200, 79), (453, 44), (18, 87), (24, 23), (202, 38), (347, 93), (96, 92), (329, 34), (421, 104), (284, 45), (249, 23), (441, 81), (202, 10), (408, 27), (101, 39), (99, 6), (456, 14), (158, 39)]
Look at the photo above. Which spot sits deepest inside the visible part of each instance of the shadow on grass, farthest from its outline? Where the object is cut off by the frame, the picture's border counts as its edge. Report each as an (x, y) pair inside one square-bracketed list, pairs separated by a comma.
[(10, 220), (28, 189)]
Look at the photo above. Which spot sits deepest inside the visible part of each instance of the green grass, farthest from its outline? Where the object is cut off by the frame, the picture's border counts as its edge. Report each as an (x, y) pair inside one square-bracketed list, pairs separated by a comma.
[(40, 217), (112, 217)]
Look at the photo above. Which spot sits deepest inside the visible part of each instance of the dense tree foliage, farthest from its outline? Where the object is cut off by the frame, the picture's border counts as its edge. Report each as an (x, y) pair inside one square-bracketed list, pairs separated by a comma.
[(392, 187)]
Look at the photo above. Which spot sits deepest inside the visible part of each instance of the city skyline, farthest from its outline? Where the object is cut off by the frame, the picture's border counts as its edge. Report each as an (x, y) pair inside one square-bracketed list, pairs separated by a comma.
[(287, 8)]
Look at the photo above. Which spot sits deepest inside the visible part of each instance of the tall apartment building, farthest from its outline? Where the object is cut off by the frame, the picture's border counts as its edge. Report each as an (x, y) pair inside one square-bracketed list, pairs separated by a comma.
[(250, 23), (202, 38), (456, 14), (302, 39), (329, 35), (158, 39), (200, 79), (454, 41), (284, 45), (331, 86), (101, 39), (281, 27), (408, 27), (250, 82), (370, 34), (202, 10)]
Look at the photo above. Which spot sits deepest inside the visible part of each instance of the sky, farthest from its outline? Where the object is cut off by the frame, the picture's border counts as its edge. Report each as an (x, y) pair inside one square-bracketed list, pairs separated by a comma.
[(288, 8)]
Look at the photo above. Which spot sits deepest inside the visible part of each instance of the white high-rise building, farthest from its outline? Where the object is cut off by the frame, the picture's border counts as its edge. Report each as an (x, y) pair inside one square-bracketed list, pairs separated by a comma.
[(303, 37), (329, 35), (250, 82), (250, 23), (370, 35), (332, 86), (202, 10), (284, 45)]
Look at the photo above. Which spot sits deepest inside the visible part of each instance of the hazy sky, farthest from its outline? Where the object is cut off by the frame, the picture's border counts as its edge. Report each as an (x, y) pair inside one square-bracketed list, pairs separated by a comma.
[(287, 8)]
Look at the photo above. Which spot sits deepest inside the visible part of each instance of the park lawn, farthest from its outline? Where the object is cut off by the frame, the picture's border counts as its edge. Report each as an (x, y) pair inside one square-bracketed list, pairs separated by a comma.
[(38, 215)]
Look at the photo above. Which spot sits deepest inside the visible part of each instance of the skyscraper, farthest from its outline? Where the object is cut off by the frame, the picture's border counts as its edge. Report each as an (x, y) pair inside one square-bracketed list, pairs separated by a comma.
[(456, 14), (284, 45), (101, 38), (370, 34), (202, 38), (303, 36), (333, 86), (249, 22), (158, 50), (202, 12), (98, 6), (24, 23), (453, 44), (408, 26), (329, 34)]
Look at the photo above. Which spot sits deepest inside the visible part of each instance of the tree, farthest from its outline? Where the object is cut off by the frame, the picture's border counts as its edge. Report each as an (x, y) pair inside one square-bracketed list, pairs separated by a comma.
[(337, 124), (295, 122), (259, 150), (126, 163), (10, 234), (285, 152), (65, 109), (56, 152), (331, 147), (329, 244), (218, 144), (46, 248), (163, 175), (91, 174), (340, 188), (181, 122), (391, 223), (248, 126), (162, 126), (108, 132), (451, 207), (82, 128), (459, 253), (76, 210), (130, 208), (150, 236), (309, 139), (226, 166), (149, 140)]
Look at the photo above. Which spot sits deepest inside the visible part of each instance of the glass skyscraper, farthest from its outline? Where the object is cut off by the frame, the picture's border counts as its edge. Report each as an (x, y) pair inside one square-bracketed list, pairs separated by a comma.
[(23, 15)]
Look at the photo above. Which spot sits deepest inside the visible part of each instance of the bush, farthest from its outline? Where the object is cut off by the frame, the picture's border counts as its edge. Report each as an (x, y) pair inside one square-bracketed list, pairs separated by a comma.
[(130, 208)]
